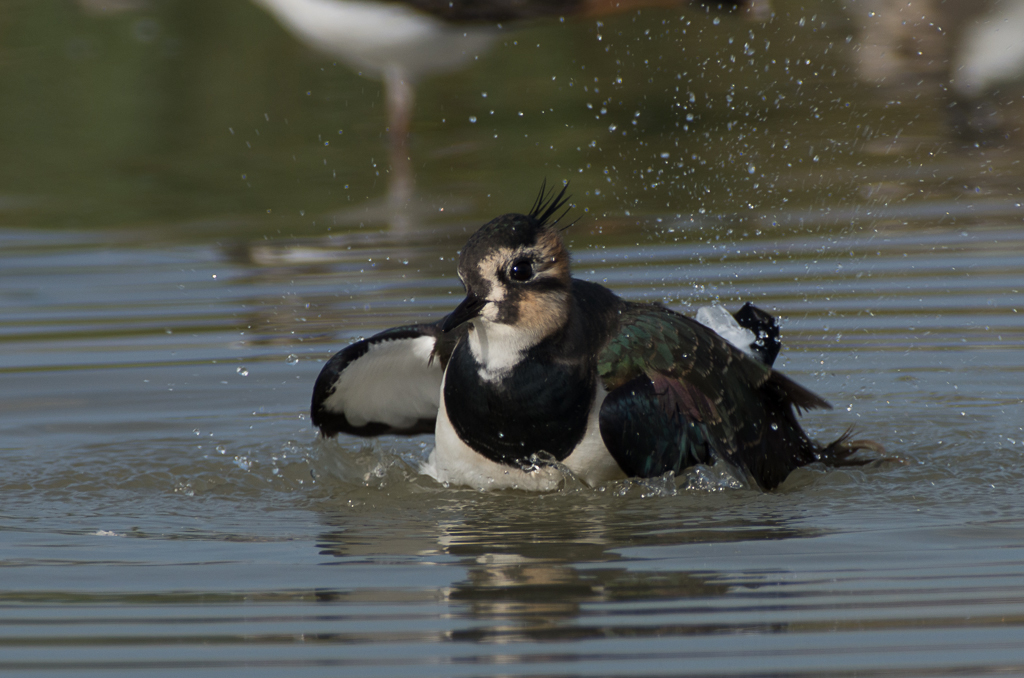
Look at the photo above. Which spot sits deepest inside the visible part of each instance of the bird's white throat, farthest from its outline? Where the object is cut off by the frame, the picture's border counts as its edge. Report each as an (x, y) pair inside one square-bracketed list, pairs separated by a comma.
[(499, 347)]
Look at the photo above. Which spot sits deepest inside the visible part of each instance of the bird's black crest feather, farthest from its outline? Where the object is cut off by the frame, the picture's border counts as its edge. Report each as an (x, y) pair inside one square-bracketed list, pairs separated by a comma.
[(547, 203)]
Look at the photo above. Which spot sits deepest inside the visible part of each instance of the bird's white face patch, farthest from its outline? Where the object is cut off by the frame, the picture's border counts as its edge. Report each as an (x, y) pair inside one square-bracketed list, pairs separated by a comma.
[(489, 268), (497, 344), (525, 295), (500, 291)]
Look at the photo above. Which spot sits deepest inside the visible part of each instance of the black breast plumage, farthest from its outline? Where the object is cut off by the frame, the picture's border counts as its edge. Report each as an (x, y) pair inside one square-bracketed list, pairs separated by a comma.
[(540, 406)]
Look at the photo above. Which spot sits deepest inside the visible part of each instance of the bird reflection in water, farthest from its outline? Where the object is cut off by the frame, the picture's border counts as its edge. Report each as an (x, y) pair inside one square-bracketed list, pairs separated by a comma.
[(531, 570)]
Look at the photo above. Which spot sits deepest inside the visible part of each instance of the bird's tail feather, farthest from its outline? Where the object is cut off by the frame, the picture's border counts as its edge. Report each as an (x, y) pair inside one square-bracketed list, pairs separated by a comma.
[(842, 451)]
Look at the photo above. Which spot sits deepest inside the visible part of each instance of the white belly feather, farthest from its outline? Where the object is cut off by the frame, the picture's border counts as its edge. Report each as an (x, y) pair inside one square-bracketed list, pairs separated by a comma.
[(454, 462), (590, 461)]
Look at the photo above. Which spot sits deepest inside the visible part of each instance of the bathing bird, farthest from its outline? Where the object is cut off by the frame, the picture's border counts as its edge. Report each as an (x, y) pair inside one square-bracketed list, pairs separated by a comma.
[(537, 374)]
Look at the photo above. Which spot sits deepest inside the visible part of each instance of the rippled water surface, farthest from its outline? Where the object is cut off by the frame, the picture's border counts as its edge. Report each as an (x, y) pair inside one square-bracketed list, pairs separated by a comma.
[(197, 208)]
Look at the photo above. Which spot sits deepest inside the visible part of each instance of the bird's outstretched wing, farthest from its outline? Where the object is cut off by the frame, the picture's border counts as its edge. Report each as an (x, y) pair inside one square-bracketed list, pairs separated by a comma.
[(679, 394), (388, 383)]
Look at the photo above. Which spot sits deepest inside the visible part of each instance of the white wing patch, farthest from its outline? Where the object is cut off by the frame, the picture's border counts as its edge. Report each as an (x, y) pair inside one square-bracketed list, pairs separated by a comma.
[(390, 384), (725, 326)]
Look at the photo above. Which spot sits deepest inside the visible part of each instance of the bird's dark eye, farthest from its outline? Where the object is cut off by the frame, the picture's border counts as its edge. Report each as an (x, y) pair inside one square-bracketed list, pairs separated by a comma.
[(521, 270)]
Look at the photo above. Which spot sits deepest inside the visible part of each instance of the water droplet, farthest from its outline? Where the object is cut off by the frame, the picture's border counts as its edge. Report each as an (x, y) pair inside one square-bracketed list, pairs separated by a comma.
[(472, 118), (242, 371), (751, 169), (292, 359), (221, 449)]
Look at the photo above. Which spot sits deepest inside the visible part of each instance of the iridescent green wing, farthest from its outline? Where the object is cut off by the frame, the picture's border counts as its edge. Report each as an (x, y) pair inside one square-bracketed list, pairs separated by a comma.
[(679, 395)]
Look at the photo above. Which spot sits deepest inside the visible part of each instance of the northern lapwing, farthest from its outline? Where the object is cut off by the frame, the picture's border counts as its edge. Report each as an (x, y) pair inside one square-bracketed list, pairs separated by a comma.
[(537, 373)]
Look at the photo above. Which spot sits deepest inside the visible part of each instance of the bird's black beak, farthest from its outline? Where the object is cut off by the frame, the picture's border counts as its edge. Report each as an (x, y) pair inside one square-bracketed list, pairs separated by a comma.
[(467, 310)]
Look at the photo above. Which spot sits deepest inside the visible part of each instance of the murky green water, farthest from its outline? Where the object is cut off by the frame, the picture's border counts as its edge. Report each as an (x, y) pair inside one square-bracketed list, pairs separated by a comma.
[(197, 210)]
